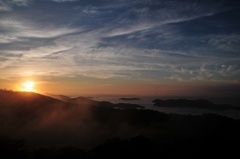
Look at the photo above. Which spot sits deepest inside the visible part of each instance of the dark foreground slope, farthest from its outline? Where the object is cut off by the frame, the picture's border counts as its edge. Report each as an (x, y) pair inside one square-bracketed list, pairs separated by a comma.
[(36, 126)]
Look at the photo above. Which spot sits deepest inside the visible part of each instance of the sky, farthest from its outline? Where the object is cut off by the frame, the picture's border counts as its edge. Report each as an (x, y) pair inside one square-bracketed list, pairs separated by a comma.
[(127, 47)]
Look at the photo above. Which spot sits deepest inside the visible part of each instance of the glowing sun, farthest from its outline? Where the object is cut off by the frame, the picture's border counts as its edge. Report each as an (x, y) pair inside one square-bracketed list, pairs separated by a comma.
[(28, 86)]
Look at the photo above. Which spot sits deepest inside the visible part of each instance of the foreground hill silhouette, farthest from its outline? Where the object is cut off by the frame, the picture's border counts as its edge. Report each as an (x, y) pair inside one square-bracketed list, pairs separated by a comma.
[(37, 126)]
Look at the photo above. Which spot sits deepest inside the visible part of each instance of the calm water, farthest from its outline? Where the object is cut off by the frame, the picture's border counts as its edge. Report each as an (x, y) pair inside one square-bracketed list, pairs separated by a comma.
[(148, 104)]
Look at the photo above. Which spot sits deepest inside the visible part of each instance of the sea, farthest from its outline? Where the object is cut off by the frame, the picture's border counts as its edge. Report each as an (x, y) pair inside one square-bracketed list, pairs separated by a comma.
[(147, 102)]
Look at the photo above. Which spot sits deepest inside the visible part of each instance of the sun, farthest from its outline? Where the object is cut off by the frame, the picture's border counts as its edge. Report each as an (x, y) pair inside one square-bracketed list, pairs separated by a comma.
[(28, 86)]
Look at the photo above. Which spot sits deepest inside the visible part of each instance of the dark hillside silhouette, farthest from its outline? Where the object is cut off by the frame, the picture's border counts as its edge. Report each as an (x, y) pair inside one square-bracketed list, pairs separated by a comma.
[(37, 126), (11, 98)]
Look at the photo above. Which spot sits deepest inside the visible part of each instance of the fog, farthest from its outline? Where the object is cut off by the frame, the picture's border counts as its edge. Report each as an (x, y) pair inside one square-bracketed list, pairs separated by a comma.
[(44, 121)]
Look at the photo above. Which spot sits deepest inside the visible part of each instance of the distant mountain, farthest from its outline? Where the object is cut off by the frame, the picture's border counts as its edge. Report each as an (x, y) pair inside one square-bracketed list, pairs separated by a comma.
[(59, 97), (200, 103), (83, 100), (130, 99)]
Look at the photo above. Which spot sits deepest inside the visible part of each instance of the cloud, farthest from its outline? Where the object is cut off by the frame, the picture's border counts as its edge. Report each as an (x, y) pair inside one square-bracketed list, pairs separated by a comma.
[(176, 78), (129, 29), (6, 5), (90, 60), (17, 30), (8, 38), (61, 1), (121, 39), (44, 51), (227, 70), (135, 17), (225, 42)]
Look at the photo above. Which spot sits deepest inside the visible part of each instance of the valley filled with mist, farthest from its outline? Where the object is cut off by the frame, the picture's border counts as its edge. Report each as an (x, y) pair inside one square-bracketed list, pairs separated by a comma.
[(34, 125)]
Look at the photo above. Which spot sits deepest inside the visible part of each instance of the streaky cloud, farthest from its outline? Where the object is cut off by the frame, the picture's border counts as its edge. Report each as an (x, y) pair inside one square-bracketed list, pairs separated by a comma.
[(17, 30), (61, 1), (161, 41), (6, 5)]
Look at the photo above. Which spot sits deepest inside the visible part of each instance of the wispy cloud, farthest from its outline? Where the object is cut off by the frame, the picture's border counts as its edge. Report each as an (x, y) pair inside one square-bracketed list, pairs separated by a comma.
[(6, 5), (227, 70), (225, 42), (151, 41), (19, 30), (137, 18), (61, 1)]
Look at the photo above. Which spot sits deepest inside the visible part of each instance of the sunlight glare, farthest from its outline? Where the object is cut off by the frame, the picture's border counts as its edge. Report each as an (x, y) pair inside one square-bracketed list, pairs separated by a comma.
[(28, 86)]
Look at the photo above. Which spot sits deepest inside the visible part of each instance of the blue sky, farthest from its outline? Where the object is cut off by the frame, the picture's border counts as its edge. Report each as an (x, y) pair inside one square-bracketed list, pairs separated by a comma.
[(174, 42)]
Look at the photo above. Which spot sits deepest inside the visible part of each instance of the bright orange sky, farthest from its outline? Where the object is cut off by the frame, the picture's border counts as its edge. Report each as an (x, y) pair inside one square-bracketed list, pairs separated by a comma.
[(119, 87)]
